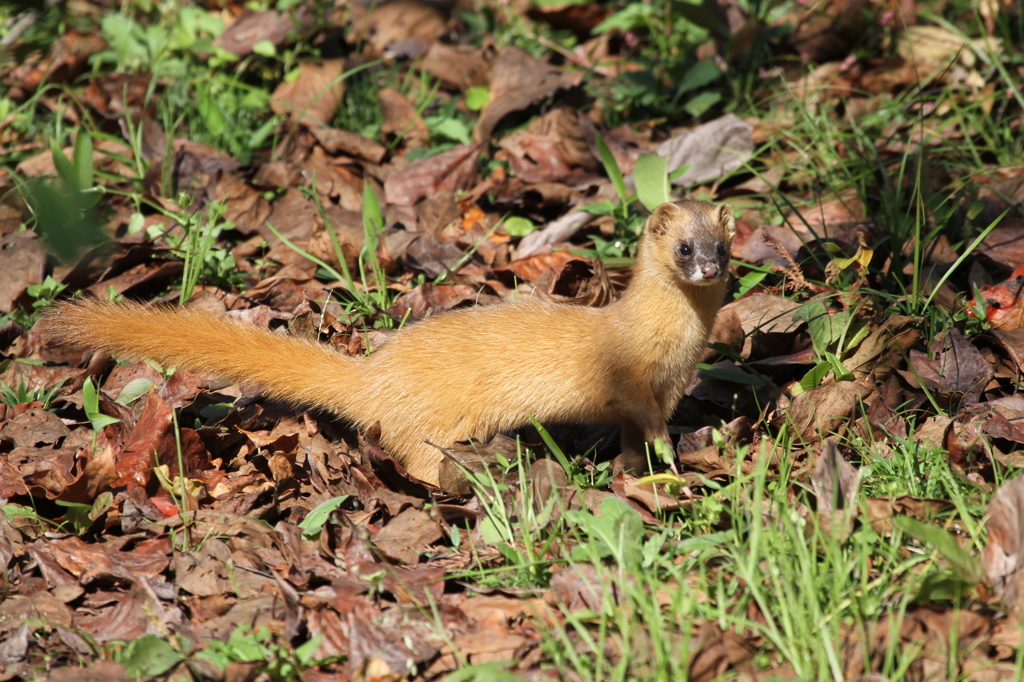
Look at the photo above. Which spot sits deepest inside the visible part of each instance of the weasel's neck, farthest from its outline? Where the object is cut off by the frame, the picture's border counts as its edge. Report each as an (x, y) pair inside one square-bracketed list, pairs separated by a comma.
[(658, 304)]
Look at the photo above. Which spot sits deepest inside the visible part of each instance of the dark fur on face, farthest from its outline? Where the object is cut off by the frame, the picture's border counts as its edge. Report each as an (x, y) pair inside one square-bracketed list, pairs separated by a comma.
[(701, 236)]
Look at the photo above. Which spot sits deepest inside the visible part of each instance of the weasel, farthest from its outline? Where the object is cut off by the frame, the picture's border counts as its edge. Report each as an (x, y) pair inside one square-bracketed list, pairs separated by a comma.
[(471, 372)]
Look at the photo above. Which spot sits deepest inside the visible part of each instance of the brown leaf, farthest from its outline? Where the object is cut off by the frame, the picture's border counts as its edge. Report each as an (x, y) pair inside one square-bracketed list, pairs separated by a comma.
[(253, 27), (402, 120), (142, 274), (827, 217), (885, 347), (448, 170), (33, 428), (89, 562), (403, 27), (822, 411), (23, 263), (519, 80), (829, 28), (835, 484), (352, 144), (957, 376), (314, 96), (245, 207), (459, 66), (536, 267), (407, 535), (579, 586), (152, 443), (551, 148), (64, 62), (1003, 556), (710, 150)]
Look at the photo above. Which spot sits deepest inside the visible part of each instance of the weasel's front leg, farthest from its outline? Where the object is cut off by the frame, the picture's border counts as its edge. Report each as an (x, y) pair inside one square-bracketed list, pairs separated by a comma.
[(635, 438)]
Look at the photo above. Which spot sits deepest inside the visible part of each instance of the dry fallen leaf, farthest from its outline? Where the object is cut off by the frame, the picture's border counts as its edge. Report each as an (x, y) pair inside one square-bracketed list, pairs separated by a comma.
[(519, 80), (1003, 556), (314, 96)]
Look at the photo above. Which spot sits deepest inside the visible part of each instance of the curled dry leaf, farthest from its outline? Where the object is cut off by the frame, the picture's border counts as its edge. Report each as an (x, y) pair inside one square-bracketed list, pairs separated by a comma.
[(255, 27), (835, 485), (885, 347), (1003, 556), (403, 27), (351, 144), (519, 80), (459, 66), (402, 120), (957, 376), (824, 410), (448, 170), (23, 263), (314, 96), (711, 150)]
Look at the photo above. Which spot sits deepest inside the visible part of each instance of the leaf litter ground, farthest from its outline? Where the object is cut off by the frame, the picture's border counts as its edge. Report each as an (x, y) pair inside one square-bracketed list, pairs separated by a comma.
[(847, 504)]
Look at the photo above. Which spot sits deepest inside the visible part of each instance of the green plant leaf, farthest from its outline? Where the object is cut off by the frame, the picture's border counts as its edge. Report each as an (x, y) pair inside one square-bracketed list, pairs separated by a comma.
[(965, 567), (517, 226), (477, 97), (496, 671), (83, 160), (699, 104), (315, 519), (77, 514), (133, 390), (611, 167), (815, 375), (148, 656), (65, 169), (698, 75), (264, 48), (651, 181), (618, 532)]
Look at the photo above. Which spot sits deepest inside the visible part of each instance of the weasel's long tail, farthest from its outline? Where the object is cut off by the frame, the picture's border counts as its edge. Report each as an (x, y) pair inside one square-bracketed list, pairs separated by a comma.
[(283, 367)]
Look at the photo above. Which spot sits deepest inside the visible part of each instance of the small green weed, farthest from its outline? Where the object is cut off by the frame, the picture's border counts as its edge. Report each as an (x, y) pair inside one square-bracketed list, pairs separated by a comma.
[(13, 397), (254, 645)]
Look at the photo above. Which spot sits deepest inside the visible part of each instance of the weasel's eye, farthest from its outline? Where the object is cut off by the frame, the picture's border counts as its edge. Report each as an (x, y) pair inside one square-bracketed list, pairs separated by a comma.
[(721, 250), (685, 250)]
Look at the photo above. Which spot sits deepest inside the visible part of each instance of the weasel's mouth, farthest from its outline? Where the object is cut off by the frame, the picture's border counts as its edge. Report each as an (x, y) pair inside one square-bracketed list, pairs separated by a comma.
[(700, 277)]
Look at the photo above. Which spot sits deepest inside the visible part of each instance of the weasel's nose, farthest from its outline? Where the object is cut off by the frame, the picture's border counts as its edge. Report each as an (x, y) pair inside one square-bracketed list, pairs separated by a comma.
[(710, 271)]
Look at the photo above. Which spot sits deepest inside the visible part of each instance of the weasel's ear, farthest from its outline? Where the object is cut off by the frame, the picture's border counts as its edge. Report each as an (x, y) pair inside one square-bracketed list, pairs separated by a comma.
[(658, 222), (727, 220)]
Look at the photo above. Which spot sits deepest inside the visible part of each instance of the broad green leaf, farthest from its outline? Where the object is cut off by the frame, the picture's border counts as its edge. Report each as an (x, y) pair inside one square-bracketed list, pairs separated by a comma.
[(651, 181), (634, 15), (264, 48), (815, 376), (315, 519), (517, 226), (698, 105), (215, 120), (617, 532), (698, 75), (477, 97), (148, 656), (77, 514), (133, 390)]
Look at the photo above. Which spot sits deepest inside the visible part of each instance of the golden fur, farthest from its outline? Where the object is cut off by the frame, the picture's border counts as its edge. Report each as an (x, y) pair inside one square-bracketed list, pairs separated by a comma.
[(471, 372)]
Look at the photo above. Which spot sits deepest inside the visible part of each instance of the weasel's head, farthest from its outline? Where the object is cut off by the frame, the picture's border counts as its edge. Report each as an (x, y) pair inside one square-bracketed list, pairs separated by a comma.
[(692, 239)]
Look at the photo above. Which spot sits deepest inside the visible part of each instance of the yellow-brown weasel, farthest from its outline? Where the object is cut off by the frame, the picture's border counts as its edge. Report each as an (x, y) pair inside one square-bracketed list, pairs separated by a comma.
[(471, 372)]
